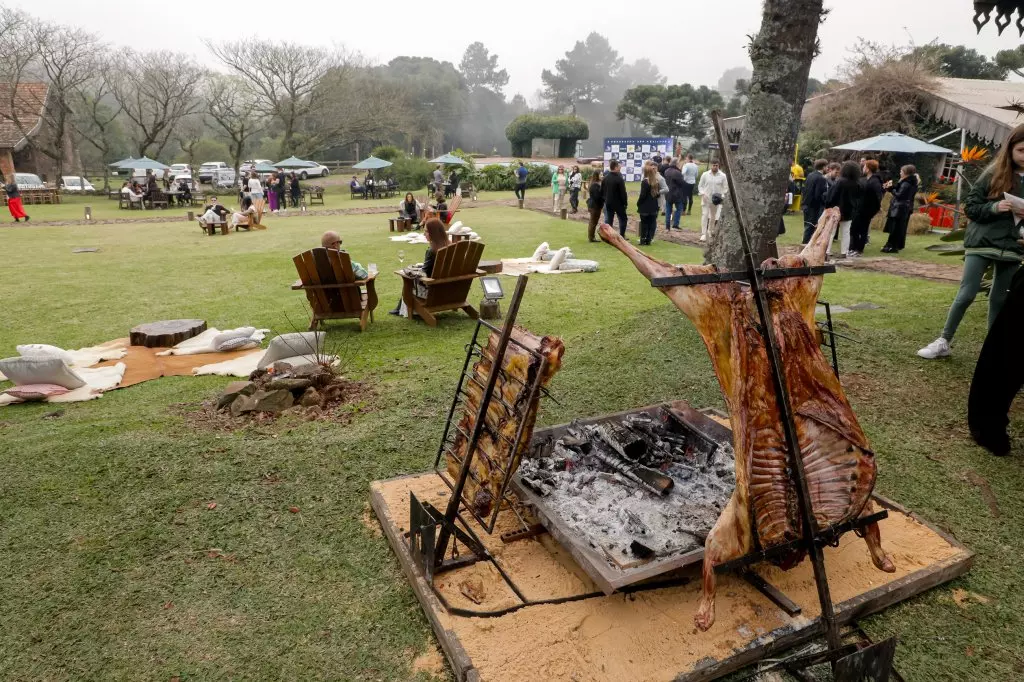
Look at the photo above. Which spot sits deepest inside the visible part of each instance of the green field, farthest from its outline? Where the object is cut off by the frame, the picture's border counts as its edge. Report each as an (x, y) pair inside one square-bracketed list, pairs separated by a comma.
[(113, 568)]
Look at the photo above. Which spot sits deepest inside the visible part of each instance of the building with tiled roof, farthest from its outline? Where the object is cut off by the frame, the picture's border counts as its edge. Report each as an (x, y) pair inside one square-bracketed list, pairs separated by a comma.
[(22, 118)]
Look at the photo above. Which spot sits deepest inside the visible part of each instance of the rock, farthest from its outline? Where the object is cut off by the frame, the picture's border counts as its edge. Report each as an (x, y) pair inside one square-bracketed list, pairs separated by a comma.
[(289, 384), (233, 390), (281, 368), (310, 398), (242, 404), (310, 371), (272, 401)]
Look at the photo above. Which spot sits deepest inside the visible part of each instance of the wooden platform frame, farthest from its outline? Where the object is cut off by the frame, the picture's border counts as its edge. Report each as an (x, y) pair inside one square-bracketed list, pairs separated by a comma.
[(769, 645)]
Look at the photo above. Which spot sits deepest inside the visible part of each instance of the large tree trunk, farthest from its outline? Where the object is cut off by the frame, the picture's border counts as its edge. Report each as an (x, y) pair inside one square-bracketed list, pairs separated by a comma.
[(781, 54)]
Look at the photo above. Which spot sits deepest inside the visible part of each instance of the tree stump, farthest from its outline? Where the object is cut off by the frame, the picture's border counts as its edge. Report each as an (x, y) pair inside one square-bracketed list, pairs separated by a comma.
[(166, 333)]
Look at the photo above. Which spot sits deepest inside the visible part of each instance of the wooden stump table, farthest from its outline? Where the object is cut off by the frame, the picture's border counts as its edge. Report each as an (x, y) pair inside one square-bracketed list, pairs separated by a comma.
[(166, 333), (399, 224)]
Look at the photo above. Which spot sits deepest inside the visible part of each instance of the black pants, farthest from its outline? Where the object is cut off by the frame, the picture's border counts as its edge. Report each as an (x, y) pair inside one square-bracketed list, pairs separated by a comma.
[(811, 218), (648, 226), (295, 201), (574, 199), (897, 229), (999, 374), (521, 191), (687, 204), (611, 213), (859, 232)]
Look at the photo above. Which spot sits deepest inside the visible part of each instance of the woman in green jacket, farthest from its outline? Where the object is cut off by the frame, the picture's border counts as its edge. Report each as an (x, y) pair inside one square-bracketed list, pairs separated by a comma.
[(991, 239)]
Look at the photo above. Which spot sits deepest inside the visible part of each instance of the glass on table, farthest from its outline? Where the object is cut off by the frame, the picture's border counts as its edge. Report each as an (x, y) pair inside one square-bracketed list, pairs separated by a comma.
[(401, 256)]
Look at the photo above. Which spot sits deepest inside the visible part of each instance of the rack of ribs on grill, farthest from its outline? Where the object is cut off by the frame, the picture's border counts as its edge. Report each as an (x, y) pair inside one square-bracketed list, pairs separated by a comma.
[(498, 452), (838, 462)]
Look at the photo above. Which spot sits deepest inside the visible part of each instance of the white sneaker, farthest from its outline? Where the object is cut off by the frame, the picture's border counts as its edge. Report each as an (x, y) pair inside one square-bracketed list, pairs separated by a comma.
[(703, 237), (939, 348)]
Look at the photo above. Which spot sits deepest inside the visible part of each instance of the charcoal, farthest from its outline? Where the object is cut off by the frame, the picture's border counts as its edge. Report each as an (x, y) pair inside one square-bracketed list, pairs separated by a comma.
[(640, 550)]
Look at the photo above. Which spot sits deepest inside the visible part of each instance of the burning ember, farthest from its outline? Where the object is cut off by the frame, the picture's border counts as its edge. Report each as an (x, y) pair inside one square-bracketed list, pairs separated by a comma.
[(636, 487)]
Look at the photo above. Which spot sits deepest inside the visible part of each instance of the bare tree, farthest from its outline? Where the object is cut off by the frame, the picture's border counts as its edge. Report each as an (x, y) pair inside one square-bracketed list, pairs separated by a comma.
[(96, 116), (781, 54), (63, 59), (156, 90), (291, 79), (189, 132), (232, 108)]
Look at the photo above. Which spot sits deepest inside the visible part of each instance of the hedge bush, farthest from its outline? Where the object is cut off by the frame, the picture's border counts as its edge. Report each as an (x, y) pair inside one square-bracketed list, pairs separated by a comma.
[(411, 172), (496, 178), (387, 152)]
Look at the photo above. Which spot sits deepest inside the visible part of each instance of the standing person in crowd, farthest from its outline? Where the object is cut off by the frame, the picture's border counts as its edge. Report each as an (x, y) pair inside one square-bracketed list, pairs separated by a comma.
[(991, 239), (613, 189), (282, 191), (870, 204), (900, 209), (662, 188), (559, 184), (690, 171), (713, 189), (521, 174), (675, 202), (14, 201), (453, 183), (295, 190), (575, 185), (438, 176), (664, 164), (647, 203), (846, 194), (255, 186), (272, 192), (813, 201), (595, 203)]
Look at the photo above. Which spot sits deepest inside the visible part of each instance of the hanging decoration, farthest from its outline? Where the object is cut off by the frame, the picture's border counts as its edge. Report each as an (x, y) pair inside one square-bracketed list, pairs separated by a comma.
[(1004, 10)]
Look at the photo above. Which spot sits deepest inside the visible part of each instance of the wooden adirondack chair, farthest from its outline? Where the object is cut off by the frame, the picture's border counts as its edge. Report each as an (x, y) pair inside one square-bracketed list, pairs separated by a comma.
[(332, 289), (429, 213), (455, 268), (253, 222)]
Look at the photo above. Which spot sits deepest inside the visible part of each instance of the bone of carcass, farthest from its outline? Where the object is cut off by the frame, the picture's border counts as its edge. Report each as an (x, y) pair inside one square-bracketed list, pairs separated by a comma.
[(838, 463), (510, 408)]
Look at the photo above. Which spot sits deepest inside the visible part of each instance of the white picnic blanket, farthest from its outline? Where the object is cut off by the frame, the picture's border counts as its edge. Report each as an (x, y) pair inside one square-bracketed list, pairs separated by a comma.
[(245, 365), (81, 358), (411, 238), (203, 343), (97, 380)]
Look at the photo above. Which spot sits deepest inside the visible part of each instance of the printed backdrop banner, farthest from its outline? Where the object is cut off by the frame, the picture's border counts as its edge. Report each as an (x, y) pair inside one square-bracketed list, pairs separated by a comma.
[(633, 151)]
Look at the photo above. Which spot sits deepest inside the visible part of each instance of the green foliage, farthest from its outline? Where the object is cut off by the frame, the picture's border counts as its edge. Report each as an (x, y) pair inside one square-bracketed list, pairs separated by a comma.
[(412, 172), (812, 146), (480, 69), (670, 110), (1012, 60), (527, 127), (387, 152), (495, 177), (208, 149), (584, 75), (958, 61)]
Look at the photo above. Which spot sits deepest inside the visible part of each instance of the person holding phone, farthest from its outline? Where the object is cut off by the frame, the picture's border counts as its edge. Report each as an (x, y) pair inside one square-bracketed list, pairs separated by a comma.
[(991, 239)]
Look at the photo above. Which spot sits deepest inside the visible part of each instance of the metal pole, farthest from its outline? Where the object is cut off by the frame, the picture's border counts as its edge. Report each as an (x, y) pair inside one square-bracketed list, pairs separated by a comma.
[(481, 416), (782, 398)]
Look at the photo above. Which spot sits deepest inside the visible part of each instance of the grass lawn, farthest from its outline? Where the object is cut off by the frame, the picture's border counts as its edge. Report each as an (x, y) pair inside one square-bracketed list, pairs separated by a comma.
[(113, 567)]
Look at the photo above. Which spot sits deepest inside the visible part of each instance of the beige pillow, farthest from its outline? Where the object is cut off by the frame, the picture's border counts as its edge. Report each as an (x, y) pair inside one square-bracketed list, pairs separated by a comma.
[(42, 350), (558, 258), (23, 371), (538, 254), (290, 345)]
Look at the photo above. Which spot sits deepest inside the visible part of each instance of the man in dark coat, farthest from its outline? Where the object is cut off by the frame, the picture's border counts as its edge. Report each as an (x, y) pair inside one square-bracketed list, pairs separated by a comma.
[(815, 189), (675, 202), (613, 187)]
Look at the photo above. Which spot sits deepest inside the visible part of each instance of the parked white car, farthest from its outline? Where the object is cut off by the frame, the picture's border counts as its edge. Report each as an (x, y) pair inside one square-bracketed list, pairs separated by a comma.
[(252, 163), (28, 181), (208, 170), (317, 171), (76, 184), (180, 169), (223, 177)]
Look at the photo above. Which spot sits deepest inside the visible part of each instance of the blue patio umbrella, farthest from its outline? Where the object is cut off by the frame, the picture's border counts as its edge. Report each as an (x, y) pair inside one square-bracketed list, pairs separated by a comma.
[(264, 168), (123, 163), (372, 163), (293, 162), (897, 143), (145, 163), (449, 159)]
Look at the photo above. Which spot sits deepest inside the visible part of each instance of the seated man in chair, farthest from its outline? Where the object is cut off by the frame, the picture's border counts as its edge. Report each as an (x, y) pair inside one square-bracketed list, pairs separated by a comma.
[(214, 213), (355, 187), (332, 240)]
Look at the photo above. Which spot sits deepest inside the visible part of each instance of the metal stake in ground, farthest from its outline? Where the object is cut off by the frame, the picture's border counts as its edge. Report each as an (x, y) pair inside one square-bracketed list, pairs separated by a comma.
[(485, 400), (782, 398)]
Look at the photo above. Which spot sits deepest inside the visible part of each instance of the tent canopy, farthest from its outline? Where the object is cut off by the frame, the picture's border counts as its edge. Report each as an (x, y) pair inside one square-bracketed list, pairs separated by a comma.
[(145, 163), (372, 163), (123, 163), (264, 168), (292, 162), (893, 142), (449, 159)]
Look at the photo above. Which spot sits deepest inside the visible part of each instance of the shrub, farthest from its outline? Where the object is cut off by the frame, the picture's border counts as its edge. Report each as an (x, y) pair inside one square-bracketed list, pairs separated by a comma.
[(496, 178), (411, 172), (387, 152), (523, 129)]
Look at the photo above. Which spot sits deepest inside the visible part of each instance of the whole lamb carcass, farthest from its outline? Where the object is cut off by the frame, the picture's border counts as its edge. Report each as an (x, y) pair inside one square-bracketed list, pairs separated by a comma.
[(839, 465)]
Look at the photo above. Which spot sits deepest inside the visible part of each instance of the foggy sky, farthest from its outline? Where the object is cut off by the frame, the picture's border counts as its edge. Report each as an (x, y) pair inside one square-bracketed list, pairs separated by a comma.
[(691, 41)]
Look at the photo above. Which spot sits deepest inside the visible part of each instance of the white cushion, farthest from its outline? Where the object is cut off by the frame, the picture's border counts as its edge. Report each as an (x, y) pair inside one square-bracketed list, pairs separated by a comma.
[(455, 226), (538, 254), (237, 343), (42, 350), (558, 258), (230, 334), (551, 254), (290, 345), (23, 370)]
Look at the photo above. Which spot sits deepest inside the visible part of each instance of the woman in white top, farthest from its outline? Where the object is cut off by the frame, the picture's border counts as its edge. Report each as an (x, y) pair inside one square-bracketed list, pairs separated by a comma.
[(255, 187)]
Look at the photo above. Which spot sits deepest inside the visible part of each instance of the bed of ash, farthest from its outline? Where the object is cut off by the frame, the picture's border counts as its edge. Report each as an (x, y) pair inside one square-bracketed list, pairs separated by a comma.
[(606, 480)]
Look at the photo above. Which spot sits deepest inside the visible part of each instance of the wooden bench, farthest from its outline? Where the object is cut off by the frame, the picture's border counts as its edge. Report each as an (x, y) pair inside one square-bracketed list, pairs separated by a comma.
[(468, 190), (316, 194), (158, 199)]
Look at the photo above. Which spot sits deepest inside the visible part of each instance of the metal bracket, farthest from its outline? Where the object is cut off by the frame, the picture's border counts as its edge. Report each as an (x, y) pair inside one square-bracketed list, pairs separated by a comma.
[(872, 663)]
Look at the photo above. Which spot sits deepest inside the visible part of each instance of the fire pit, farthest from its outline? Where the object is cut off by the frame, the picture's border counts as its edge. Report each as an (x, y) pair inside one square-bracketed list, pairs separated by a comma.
[(631, 495)]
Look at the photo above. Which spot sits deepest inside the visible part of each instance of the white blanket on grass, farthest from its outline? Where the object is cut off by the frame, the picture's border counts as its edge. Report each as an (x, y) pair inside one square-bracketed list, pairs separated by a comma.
[(97, 380), (83, 357), (244, 365), (203, 343)]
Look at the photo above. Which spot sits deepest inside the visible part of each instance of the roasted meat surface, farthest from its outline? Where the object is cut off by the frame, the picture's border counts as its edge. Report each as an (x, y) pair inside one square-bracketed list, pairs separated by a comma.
[(839, 464), (509, 408)]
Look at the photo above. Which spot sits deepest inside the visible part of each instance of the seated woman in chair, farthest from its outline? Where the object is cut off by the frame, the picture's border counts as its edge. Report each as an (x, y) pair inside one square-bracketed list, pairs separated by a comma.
[(441, 207), (410, 209), (248, 212), (437, 239)]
